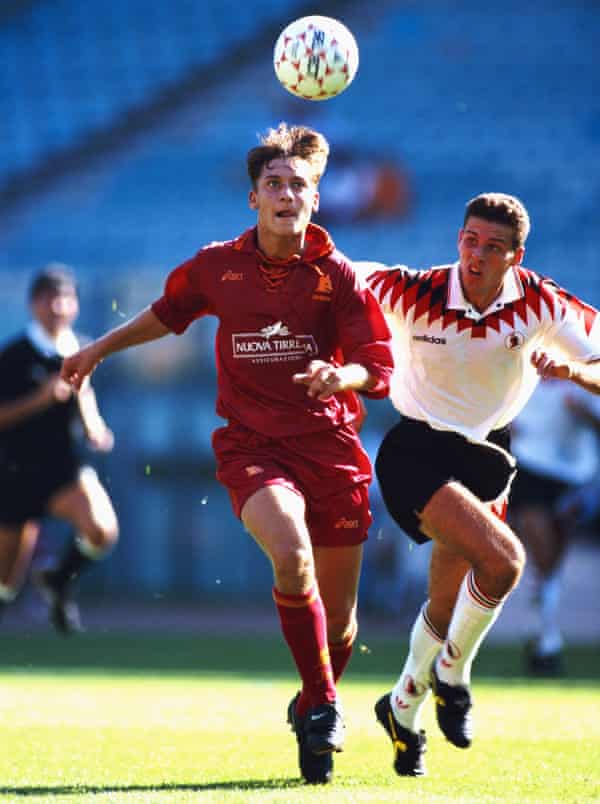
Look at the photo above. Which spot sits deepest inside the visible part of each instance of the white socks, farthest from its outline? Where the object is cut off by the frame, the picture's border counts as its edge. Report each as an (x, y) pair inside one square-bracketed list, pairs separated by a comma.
[(7, 593), (412, 688), (550, 640), (473, 616), (89, 550)]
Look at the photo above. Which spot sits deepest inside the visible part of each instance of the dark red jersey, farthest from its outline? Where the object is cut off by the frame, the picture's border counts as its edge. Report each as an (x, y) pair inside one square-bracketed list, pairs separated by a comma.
[(270, 330)]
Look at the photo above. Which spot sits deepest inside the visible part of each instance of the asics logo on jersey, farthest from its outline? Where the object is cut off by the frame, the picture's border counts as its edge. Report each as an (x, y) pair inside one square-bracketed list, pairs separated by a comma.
[(429, 339), (232, 276)]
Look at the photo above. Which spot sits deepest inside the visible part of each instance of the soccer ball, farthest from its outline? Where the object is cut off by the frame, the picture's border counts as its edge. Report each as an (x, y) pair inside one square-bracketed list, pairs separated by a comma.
[(315, 58)]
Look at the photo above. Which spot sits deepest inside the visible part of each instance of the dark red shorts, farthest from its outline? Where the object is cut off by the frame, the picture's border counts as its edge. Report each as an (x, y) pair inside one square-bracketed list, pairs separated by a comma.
[(329, 469)]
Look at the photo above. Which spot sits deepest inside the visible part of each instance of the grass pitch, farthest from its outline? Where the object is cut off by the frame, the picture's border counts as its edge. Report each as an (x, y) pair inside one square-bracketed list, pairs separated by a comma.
[(171, 718)]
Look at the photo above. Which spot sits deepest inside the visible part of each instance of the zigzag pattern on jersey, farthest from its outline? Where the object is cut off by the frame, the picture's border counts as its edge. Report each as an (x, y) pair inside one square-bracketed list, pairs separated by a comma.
[(426, 292)]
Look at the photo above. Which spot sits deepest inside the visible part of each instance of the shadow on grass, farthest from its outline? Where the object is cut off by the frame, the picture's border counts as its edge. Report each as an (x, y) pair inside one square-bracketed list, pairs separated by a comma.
[(199, 655), (77, 790)]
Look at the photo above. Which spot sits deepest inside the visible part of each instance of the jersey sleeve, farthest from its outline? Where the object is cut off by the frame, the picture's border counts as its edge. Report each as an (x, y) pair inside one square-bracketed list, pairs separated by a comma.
[(576, 331), (186, 294), (364, 336), (387, 283)]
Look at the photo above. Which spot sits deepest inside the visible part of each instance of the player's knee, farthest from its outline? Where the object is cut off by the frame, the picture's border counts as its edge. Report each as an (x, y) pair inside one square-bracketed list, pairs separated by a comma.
[(292, 562), (8, 593), (101, 536), (507, 564)]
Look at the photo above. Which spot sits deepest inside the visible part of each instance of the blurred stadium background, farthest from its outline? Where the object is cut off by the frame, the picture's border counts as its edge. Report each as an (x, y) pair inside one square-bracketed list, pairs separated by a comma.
[(123, 134)]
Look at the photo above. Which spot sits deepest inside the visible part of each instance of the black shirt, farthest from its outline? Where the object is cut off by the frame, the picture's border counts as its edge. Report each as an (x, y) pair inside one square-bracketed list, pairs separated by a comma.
[(48, 437)]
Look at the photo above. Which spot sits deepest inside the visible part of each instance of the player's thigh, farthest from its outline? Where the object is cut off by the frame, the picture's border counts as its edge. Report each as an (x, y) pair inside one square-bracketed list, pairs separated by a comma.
[(338, 574), (17, 543), (465, 526), (86, 505), (275, 517)]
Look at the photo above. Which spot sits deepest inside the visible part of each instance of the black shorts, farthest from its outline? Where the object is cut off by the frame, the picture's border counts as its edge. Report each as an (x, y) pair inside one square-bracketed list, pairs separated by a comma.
[(414, 461), (24, 495), (534, 488)]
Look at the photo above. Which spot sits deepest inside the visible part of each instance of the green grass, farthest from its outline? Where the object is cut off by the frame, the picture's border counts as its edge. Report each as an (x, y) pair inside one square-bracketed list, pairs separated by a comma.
[(182, 718)]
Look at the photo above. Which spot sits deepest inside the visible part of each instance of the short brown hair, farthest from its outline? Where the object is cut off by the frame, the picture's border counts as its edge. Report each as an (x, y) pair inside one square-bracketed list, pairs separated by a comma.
[(286, 142), (501, 208), (55, 278)]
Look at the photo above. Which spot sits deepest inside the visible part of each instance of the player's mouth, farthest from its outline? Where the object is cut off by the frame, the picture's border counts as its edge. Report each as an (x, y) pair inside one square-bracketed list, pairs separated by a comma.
[(285, 213)]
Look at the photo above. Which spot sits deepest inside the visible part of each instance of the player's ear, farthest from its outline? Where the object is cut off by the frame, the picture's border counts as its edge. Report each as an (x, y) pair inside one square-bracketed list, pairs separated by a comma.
[(519, 254), (461, 233), (252, 201), (315, 204)]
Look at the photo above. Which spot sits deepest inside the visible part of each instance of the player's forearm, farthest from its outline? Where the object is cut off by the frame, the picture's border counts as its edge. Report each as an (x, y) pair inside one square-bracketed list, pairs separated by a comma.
[(14, 412), (88, 408), (356, 377), (143, 328), (587, 375)]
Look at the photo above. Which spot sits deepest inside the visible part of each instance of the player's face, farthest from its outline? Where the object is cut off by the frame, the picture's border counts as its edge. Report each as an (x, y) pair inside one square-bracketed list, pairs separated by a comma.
[(285, 198), (56, 310), (486, 253)]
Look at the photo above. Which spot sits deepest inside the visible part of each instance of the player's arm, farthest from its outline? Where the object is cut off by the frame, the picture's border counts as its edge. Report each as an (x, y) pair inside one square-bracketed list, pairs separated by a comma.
[(583, 373), (52, 391), (325, 379), (143, 328), (576, 335), (364, 341), (97, 432)]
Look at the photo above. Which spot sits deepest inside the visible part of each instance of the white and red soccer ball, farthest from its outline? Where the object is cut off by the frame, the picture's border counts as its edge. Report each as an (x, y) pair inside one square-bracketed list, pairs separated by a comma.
[(315, 58)]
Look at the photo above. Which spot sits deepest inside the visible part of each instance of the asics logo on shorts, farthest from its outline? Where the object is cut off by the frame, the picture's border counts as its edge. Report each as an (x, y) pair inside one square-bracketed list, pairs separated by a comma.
[(346, 523)]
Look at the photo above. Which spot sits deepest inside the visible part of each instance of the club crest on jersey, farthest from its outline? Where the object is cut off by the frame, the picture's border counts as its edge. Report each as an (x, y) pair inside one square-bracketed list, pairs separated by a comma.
[(324, 289), (273, 344), (514, 341)]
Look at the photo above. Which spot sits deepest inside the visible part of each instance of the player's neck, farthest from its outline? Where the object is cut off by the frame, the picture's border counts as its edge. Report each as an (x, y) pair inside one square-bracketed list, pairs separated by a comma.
[(54, 332), (280, 248)]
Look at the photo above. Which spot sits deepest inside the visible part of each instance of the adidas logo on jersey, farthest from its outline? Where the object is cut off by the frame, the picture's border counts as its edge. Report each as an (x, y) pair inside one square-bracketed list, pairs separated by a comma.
[(429, 339)]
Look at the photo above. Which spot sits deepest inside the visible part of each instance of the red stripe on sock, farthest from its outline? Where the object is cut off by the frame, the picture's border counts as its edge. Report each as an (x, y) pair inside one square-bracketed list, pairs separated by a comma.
[(430, 628), (478, 596)]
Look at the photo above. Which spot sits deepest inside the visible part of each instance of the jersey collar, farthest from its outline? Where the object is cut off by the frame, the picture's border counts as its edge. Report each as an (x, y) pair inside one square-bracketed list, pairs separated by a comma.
[(317, 244), (64, 345), (512, 290)]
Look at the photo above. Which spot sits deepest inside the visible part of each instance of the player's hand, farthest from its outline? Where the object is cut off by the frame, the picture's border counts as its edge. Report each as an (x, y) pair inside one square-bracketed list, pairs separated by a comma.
[(79, 366), (322, 379), (101, 438), (54, 390), (549, 368)]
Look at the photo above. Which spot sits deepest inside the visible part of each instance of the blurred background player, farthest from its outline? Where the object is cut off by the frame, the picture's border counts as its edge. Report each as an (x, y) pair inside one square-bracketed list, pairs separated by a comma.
[(41, 471), (555, 441), (297, 336), (471, 341)]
